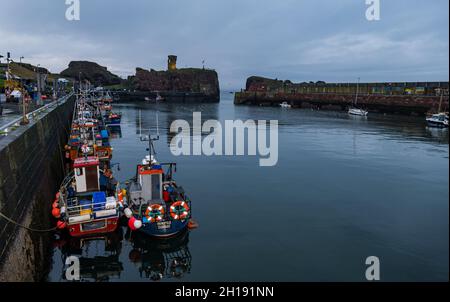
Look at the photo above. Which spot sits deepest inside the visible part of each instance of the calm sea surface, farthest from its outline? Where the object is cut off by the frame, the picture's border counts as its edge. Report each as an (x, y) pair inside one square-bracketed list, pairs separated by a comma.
[(344, 189)]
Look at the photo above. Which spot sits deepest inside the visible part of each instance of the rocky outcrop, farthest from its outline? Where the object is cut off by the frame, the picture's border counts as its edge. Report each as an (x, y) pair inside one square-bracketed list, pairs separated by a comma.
[(93, 72), (186, 80)]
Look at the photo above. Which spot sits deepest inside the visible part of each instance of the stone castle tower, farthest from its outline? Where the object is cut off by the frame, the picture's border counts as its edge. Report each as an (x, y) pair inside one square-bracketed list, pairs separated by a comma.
[(172, 63)]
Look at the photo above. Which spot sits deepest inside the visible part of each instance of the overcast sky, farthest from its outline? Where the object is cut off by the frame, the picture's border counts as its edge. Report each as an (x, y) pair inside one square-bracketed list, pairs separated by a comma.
[(300, 40)]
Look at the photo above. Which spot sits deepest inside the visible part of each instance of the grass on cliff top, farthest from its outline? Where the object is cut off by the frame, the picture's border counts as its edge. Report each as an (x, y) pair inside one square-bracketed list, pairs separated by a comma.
[(28, 74)]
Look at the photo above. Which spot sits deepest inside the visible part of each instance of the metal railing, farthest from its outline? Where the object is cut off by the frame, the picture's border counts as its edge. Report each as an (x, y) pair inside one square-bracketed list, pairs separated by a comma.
[(14, 124)]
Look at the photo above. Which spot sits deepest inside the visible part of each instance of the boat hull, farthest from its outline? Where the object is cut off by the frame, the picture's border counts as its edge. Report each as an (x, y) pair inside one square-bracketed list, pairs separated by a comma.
[(437, 124), (113, 122), (358, 112), (101, 226), (165, 229)]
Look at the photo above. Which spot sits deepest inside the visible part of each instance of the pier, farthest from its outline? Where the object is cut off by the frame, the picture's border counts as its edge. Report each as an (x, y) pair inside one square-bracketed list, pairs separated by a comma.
[(31, 169)]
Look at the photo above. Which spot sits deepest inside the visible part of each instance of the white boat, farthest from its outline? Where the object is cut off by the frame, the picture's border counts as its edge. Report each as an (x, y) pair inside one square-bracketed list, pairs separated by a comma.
[(438, 120), (159, 98), (357, 111), (353, 110), (285, 105)]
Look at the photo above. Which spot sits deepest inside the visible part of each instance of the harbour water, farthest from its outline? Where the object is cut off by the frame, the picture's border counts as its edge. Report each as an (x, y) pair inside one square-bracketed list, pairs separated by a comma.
[(345, 188)]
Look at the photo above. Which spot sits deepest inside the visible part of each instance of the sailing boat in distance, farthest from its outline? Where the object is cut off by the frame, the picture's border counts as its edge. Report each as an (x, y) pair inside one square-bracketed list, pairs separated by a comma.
[(353, 110), (440, 119)]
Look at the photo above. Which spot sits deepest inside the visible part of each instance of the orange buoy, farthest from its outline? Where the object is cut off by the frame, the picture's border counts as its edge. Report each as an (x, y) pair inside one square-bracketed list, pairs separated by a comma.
[(192, 224), (61, 224), (55, 204), (56, 213)]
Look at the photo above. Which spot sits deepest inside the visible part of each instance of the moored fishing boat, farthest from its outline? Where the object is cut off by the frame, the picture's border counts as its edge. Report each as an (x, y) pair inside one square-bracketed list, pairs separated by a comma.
[(156, 205), (112, 118), (86, 203)]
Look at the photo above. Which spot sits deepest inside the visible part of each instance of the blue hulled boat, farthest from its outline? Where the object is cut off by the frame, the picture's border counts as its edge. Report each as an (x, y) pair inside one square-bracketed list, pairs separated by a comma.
[(156, 205), (112, 119)]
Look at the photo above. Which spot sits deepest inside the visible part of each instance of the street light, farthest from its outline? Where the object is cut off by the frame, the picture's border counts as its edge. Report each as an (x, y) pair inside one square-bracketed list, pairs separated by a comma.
[(20, 59), (39, 97)]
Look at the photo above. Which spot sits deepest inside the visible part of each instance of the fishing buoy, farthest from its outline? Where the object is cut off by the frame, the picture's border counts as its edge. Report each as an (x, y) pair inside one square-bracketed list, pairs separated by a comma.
[(57, 195), (127, 213), (166, 196), (137, 224), (192, 224), (131, 222), (55, 204), (56, 213), (61, 224)]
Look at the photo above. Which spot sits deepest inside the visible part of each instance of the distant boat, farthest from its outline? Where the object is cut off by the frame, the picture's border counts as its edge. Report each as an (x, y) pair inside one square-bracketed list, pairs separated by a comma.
[(440, 119), (354, 110), (158, 98), (357, 111), (285, 105)]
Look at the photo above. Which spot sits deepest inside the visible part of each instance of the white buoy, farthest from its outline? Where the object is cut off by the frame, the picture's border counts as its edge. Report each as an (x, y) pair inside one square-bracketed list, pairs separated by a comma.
[(127, 212), (138, 224)]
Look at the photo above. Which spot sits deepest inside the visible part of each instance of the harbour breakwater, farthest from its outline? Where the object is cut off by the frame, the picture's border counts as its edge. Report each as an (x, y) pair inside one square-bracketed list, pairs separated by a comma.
[(31, 169), (403, 98)]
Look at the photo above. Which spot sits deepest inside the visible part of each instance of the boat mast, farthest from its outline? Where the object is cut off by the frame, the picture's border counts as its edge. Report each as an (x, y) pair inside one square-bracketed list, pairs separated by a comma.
[(357, 91), (149, 138)]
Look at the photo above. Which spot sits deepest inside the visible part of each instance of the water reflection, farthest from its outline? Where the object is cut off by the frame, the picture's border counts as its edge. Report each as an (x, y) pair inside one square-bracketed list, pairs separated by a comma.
[(101, 257), (98, 256), (115, 132), (161, 259)]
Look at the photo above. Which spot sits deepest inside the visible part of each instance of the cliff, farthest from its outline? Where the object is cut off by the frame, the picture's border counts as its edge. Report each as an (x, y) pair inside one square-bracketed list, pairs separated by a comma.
[(93, 72), (186, 80)]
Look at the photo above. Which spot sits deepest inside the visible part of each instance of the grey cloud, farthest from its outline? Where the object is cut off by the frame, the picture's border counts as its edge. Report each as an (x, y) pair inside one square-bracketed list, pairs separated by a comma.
[(300, 40)]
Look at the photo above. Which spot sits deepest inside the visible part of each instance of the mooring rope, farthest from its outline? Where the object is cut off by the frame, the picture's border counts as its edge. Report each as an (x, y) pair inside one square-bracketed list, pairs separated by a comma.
[(25, 227)]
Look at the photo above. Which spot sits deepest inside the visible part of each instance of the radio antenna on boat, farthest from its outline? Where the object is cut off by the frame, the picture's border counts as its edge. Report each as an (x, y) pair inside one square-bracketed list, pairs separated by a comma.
[(148, 138)]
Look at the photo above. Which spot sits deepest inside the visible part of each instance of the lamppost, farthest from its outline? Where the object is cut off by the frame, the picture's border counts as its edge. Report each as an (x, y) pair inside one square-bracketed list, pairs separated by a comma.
[(39, 99), (20, 59)]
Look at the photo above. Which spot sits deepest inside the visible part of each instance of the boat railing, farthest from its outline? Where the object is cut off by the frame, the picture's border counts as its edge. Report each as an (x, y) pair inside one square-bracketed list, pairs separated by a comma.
[(75, 209)]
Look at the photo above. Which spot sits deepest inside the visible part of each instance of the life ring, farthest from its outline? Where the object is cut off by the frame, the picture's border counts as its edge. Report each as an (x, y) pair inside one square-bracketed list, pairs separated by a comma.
[(85, 149), (154, 212), (179, 210)]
